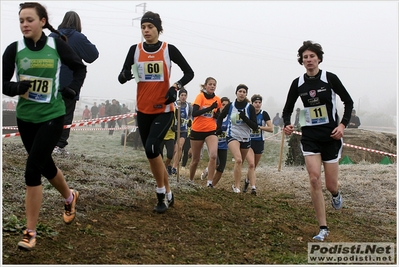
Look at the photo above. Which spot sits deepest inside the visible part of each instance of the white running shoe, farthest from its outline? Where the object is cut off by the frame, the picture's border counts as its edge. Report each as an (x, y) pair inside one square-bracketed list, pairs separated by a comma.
[(322, 235), (235, 189), (204, 174), (337, 201), (60, 150)]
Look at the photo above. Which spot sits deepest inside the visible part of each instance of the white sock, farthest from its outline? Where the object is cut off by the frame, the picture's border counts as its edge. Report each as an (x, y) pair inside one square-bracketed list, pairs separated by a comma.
[(169, 195), (69, 199), (253, 187), (209, 182), (161, 190)]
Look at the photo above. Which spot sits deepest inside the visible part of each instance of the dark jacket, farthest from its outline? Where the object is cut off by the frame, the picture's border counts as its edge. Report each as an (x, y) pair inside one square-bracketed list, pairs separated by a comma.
[(82, 47), (125, 110), (113, 110), (354, 122)]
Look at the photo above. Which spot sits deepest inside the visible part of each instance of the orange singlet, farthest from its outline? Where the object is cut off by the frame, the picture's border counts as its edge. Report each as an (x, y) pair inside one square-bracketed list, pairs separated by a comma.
[(154, 72), (205, 122)]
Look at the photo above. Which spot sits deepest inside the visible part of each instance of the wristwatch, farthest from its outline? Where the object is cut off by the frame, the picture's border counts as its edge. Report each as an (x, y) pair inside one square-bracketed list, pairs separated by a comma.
[(179, 86)]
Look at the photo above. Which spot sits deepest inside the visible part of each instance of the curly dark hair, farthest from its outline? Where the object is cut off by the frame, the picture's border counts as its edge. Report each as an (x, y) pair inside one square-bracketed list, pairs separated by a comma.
[(314, 47)]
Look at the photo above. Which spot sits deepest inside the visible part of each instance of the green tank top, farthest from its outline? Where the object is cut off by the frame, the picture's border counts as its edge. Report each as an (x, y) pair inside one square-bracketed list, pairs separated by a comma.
[(43, 101)]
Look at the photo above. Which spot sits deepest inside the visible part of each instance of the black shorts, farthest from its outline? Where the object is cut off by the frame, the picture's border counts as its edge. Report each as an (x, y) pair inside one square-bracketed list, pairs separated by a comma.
[(258, 146), (182, 135), (243, 145), (330, 151), (200, 135)]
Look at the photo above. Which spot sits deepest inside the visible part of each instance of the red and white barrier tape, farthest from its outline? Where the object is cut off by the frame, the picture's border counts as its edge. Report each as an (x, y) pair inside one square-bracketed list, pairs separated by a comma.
[(130, 115), (10, 135), (102, 129), (83, 123), (370, 150), (99, 120)]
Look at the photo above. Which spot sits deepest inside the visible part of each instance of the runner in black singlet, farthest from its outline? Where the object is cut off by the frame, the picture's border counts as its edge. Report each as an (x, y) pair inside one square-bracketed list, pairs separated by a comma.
[(322, 132)]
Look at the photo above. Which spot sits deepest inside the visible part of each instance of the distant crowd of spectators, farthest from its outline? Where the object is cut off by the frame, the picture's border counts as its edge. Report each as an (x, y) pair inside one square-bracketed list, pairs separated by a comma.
[(9, 105)]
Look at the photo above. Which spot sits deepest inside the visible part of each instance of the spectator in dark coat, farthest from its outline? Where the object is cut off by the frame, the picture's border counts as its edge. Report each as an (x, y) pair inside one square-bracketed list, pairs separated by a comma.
[(354, 121), (112, 110), (71, 27), (125, 110), (101, 114)]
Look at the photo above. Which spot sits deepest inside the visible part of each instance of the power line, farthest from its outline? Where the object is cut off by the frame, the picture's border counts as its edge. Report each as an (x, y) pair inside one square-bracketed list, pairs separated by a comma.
[(143, 5)]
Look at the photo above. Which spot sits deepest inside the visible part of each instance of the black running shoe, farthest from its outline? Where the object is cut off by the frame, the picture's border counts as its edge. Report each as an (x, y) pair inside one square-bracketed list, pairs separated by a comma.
[(162, 205), (169, 170), (171, 201), (246, 184), (253, 191)]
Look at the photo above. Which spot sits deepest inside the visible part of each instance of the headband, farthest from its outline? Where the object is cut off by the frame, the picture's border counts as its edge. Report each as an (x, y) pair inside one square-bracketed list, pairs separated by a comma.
[(156, 22), (242, 86), (256, 98)]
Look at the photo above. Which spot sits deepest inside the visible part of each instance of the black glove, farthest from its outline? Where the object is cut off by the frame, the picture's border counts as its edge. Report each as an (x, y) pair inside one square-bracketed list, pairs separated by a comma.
[(189, 123), (171, 95), (242, 115), (68, 93), (174, 128), (214, 105), (248, 121), (127, 74), (22, 87), (218, 131)]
